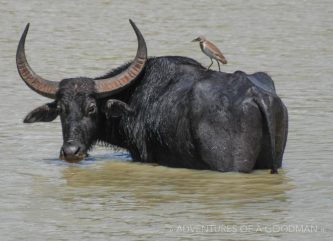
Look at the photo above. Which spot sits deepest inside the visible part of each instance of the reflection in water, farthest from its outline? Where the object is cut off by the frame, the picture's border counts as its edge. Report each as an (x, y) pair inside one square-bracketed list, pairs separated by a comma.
[(155, 198), (156, 184)]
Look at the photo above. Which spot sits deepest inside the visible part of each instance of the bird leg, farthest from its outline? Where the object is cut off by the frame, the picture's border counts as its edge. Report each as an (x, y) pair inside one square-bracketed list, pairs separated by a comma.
[(210, 64), (218, 65)]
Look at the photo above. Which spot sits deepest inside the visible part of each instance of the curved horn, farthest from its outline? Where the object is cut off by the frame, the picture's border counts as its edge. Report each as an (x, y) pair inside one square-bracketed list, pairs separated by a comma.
[(35, 82), (112, 85)]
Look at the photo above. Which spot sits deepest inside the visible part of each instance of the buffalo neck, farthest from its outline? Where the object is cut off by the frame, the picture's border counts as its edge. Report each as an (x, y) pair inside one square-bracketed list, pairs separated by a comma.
[(110, 131)]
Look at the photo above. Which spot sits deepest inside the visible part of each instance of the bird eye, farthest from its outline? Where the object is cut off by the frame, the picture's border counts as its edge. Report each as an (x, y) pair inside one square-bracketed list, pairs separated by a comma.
[(92, 109)]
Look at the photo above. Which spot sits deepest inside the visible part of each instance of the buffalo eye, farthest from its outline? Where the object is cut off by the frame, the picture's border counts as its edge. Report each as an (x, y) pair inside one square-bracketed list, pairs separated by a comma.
[(92, 108), (60, 109)]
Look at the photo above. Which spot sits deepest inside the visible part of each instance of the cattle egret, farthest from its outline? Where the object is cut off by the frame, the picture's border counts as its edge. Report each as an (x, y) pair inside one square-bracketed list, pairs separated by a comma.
[(211, 51)]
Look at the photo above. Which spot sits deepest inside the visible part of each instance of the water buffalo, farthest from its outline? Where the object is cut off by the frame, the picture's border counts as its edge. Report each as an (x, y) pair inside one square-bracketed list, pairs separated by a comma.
[(168, 110)]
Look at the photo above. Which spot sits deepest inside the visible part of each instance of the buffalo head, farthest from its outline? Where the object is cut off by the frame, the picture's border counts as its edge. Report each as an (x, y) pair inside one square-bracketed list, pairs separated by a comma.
[(76, 100)]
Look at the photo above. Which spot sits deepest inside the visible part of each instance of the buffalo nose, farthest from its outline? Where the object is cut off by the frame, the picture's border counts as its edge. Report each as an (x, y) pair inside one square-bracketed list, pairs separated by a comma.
[(71, 152)]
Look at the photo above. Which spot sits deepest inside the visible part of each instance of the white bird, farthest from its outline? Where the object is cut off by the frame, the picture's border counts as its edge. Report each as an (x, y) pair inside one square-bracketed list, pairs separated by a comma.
[(211, 51)]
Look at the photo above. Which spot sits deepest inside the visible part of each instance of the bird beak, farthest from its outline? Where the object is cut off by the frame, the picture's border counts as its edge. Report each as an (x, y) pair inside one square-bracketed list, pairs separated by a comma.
[(195, 40)]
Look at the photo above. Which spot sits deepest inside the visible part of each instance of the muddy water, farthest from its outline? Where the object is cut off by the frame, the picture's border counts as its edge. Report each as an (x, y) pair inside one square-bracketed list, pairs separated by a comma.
[(109, 198)]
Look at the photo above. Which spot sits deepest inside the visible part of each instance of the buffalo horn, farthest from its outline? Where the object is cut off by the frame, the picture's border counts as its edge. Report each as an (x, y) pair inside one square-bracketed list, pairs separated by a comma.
[(35, 82), (112, 85)]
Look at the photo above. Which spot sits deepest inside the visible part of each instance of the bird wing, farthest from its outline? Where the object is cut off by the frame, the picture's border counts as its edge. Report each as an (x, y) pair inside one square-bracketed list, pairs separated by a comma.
[(216, 52)]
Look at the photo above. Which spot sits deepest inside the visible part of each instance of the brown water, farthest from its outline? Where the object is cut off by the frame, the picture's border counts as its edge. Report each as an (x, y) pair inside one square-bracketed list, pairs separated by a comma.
[(109, 198)]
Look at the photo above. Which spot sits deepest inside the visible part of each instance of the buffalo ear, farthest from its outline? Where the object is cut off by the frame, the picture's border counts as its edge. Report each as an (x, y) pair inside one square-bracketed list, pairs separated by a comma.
[(44, 113), (116, 108)]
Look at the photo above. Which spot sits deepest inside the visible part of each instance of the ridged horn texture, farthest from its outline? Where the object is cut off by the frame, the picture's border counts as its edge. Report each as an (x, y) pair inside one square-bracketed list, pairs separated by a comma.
[(112, 85), (35, 82)]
